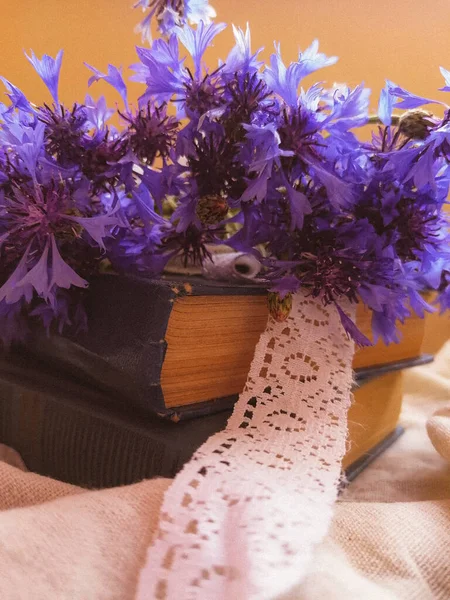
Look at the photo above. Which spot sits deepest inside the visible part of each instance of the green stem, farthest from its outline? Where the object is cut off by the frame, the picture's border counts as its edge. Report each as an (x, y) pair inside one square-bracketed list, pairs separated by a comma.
[(375, 120)]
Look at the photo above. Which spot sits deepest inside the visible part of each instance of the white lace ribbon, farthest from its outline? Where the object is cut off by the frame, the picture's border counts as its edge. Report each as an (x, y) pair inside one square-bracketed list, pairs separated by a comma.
[(241, 519)]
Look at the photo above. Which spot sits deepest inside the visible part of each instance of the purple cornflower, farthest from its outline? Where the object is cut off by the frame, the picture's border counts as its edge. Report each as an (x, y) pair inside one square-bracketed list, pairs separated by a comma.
[(38, 221), (104, 161), (113, 77), (285, 81), (65, 132), (235, 153), (241, 58), (215, 166), (161, 69), (444, 296), (190, 244), (151, 132), (48, 70), (171, 14)]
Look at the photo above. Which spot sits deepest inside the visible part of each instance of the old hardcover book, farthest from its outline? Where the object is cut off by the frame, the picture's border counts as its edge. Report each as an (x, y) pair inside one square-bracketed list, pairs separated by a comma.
[(67, 431), (181, 347)]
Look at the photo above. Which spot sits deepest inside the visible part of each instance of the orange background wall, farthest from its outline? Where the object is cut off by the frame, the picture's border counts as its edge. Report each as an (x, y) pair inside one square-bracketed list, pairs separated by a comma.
[(402, 40)]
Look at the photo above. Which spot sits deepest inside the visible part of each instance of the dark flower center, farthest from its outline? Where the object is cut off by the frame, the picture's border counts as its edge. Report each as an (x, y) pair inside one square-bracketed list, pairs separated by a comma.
[(296, 133), (152, 132), (190, 245), (160, 5), (64, 131), (99, 162), (202, 96), (33, 214), (246, 92), (330, 274), (416, 226), (216, 168)]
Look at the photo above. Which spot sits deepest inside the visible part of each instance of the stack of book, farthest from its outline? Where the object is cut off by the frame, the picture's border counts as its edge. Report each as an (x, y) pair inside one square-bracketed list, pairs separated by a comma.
[(158, 372)]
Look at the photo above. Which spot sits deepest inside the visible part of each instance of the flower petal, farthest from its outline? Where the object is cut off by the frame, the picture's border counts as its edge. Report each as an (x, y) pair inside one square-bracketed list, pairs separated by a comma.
[(299, 205), (16, 96), (62, 275), (240, 57), (351, 329), (114, 78), (13, 289), (386, 104), (446, 76), (38, 276), (48, 69), (408, 100), (196, 41)]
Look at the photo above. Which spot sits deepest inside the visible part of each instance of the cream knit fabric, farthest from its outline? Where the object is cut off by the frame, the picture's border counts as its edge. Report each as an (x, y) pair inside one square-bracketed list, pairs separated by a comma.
[(438, 427), (390, 536)]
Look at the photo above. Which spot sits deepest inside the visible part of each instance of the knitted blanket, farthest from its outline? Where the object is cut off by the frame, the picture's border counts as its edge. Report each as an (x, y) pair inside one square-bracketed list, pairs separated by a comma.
[(389, 538)]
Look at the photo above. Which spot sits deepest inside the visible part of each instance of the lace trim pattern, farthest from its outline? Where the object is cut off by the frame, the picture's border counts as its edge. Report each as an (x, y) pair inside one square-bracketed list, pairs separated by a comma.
[(241, 519)]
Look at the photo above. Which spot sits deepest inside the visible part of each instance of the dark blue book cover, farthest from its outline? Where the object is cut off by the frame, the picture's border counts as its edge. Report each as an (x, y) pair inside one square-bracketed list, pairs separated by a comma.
[(123, 351), (124, 348), (73, 433)]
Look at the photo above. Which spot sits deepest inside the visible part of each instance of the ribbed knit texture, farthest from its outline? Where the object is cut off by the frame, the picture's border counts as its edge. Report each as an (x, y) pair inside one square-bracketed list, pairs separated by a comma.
[(389, 539)]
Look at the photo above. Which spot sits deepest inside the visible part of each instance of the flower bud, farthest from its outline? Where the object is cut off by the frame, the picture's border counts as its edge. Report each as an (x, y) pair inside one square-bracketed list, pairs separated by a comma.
[(416, 124), (279, 308), (211, 209)]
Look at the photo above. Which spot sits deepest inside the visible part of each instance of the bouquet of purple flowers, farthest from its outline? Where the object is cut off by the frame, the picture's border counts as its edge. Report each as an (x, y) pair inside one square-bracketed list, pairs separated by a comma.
[(239, 154)]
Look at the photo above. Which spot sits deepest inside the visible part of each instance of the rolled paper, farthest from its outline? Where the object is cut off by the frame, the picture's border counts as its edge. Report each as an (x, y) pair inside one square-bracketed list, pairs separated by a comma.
[(232, 266)]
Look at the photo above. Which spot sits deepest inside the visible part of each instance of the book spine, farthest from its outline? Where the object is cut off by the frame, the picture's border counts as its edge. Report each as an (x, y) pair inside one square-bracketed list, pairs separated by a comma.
[(64, 431), (80, 446), (124, 348), (363, 375), (69, 432), (201, 409)]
